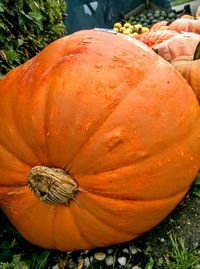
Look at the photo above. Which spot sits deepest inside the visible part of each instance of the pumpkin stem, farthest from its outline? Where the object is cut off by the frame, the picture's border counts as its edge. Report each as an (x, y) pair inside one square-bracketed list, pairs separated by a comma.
[(52, 185)]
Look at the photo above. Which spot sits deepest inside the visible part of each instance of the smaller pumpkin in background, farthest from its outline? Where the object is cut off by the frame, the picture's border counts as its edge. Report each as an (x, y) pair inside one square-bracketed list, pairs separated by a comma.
[(156, 37), (185, 25), (190, 70), (161, 25), (181, 45)]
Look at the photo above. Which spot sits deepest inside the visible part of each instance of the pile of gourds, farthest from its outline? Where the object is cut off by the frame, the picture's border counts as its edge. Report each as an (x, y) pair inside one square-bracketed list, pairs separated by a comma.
[(141, 23), (99, 138), (178, 43), (129, 29), (149, 18)]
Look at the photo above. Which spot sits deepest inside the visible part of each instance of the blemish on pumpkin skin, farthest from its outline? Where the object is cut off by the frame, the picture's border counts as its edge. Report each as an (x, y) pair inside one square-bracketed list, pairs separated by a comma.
[(115, 58), (128, 66), (108, 96), (11, 193), (89, 37), (113, 144), (87, 126), (115, 140), (112, 85), (124, 51), (86, 41), (195, 166), (181, 153), (139, 50), (99, 66), (99, 89), (190, 172), (168, 160)]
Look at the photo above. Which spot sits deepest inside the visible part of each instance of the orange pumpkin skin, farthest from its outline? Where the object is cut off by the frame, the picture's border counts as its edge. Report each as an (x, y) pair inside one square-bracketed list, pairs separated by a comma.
[(190, 70), (158, 25), (185, 25), (181, 45), (153, 38), (117, 118)]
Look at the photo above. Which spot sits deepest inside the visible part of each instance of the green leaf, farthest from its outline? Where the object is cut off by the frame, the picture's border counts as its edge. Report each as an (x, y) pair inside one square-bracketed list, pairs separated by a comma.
[(150, 264), (26, 15), (39, 261), (197, 53), (10, 55), (3, 26), (196, 186), (20, 42), (197, 180), (196, 191), (26, 27), (35, 15), (1, 7)]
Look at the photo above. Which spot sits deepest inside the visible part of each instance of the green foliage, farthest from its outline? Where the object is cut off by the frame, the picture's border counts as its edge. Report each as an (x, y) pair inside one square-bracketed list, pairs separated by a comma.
[(196, 186), (150, 264), (35, 262), (15, 264), (26, 27), (16, 252), (181, 257)]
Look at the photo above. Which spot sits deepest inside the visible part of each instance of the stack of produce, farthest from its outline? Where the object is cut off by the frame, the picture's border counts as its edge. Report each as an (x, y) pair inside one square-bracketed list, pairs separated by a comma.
[(150, 18), (129, 29), (142, 23), (179, 44)]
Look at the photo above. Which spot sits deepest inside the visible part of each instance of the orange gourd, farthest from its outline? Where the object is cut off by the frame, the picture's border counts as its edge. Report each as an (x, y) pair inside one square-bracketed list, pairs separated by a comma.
[(159, 25), (153, 38), (99, 141), (185, 25), (181, 45), (190, 70)]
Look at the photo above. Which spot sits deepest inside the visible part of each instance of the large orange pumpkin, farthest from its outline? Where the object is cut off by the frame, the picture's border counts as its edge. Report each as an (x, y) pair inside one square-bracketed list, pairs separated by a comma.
[(99, 141), (190, 70)]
